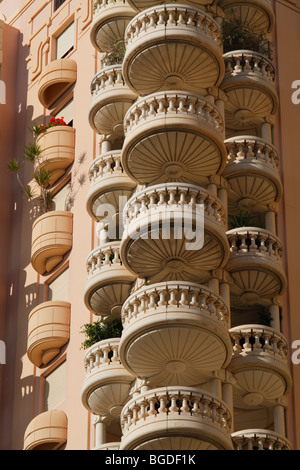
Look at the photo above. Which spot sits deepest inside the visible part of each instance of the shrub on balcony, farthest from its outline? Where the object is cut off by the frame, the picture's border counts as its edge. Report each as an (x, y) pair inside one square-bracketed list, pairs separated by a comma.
[(40, 175), (99, 331), (116, 55), (237, 36), (242, 220)]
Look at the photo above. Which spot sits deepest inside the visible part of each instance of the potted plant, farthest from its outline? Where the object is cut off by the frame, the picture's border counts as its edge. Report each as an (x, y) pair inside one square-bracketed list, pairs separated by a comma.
[(237, 36), (116, 55), (99, 331), (41, 175)]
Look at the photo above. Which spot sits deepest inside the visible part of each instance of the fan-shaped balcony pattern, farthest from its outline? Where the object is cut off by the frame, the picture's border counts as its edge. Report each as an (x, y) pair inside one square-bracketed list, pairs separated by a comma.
[(259, 439), (110, 21), (52, 235), (109, 281), (57, 147), (175, 333), (255, 265), (259, 365), (249, 86), (257, 15), (47, 431), (57, 77), (178, 418), (48, 331), (111, 99), (173, 136), (174, 232), (252, 173), (107, 382), (173, 47), (109, 185)]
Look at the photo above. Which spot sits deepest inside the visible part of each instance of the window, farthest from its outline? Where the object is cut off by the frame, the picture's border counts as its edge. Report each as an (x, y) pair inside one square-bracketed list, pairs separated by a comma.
[(67, 112), (65, 42), (58, 289), (62, 199), (55, 387), (58, 3)]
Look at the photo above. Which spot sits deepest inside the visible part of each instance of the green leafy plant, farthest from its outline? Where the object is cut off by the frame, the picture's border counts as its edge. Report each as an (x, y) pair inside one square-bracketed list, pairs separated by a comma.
[(40, 175), (116, 55), (236, 36), (244, 221), (99, 331)]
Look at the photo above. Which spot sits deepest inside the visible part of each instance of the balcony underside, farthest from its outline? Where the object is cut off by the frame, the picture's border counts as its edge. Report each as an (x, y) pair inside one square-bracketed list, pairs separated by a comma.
[(109, 25), (173, 154), (257, 15), (106, 291), (106, 390), (174, 65), (160, 259)]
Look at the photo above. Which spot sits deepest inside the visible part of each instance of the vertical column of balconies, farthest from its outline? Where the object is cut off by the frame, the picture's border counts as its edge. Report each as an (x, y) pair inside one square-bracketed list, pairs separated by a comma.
[(109, 282), (161, 113), (160, 120), (52, 236), (259, 364)]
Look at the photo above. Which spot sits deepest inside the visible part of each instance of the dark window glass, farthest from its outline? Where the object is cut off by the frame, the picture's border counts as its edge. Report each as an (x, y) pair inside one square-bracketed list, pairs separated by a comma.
[(58, 3)]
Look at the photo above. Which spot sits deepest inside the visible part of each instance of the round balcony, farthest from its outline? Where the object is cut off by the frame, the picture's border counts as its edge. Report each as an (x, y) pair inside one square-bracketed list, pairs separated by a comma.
[(259, 365), (259, 439), (175, 333), (257, 15), (48, 331), (47, 431), (107, 382), (252, 173), (57, 77), (109, 185), (111, 99), (173, 46), (176, 418), (111, 18), (51, 240), (173, 136), (255, 265), (109, 281), (250, 88), (57, 147), (174, 232), (144, 4)]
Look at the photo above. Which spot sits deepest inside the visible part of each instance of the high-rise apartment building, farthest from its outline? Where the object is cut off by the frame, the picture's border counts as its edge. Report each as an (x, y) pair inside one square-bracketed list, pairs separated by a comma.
[(157, 144)]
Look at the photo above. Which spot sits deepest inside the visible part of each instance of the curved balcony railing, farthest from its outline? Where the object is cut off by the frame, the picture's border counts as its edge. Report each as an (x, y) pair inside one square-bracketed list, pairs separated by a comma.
[(57, 77), (172, 411), (260, 439), (252, 171), (47, 431), (255, 264), (48, 331), (157, 314), (111, 98), (57, 147), (108, 182), (249, 84), (52, 235), (173, 46), (108, 282), (157, 241), (260, 363), (154, 123), (107, 382), (111, 18)]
